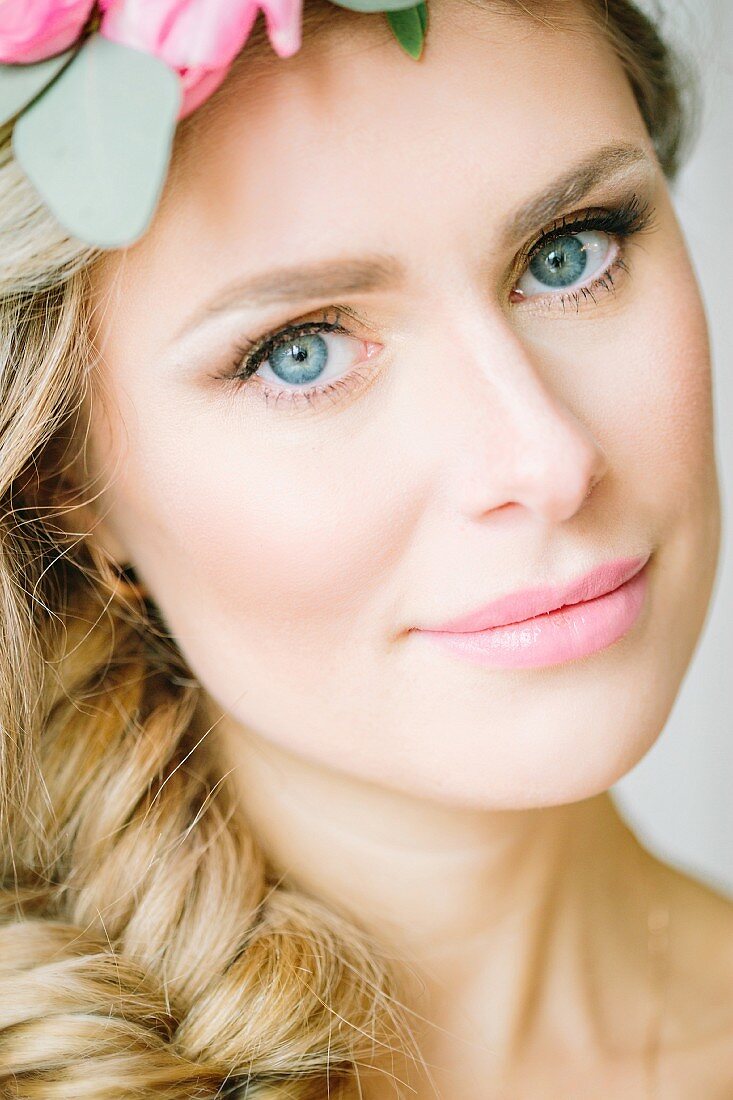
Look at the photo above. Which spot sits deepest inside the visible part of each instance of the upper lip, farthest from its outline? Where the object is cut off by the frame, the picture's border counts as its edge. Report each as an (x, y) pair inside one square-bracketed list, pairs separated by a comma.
[(525, 604)]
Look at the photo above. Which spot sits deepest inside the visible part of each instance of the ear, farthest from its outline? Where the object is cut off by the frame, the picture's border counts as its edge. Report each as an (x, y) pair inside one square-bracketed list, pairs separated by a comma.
[(101, 534), (85, 520)]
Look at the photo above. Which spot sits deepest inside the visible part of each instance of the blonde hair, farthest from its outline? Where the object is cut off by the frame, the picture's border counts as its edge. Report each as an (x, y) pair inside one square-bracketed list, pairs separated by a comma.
[(146, 949)]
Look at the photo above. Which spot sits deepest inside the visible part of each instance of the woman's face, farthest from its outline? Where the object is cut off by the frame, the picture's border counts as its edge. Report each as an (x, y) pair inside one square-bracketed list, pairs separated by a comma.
[(483, 424)]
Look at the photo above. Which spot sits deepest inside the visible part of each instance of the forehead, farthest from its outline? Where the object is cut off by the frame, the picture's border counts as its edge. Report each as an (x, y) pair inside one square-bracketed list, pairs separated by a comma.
[(351, 145)]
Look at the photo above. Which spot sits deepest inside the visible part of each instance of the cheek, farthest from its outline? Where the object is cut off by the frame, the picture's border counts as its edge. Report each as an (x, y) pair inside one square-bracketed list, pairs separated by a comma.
[(670, 431), (257, 535), (281, 544), (639, 374), (667, 440)]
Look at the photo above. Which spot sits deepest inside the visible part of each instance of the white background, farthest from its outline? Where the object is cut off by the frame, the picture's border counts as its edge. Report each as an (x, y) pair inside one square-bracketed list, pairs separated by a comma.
[(679, 798)]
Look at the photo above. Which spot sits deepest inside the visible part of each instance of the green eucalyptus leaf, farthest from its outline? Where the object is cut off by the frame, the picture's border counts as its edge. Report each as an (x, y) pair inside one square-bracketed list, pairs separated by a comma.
[(19, 84), (375, 5), (409, 26), (422, 11), (96, 145)]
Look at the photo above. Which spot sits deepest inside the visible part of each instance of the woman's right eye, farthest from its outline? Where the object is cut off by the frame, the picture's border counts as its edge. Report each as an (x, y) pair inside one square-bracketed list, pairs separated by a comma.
[(309, 362), (568, 263)]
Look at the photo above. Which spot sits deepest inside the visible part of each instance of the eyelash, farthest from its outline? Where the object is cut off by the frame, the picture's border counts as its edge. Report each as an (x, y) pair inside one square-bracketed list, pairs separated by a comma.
[(629, 219)]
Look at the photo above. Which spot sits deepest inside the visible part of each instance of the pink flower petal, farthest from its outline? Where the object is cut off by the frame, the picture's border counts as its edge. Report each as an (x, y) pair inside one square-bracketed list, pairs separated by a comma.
[(284, 25), (200, 38), (198, 85), (31, 30)]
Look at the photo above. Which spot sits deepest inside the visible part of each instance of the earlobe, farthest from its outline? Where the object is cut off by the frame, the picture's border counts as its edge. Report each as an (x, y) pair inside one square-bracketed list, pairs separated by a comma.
[(103, 540), (106, 547), (103, 537), (83, 519)]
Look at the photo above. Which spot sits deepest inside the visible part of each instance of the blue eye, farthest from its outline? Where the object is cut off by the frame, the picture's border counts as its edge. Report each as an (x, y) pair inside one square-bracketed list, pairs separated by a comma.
[(299, 360), (297, 357), (568, 261)]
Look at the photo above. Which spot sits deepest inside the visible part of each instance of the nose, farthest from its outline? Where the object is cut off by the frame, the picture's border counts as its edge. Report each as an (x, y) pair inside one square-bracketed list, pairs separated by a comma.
[(519, 442)]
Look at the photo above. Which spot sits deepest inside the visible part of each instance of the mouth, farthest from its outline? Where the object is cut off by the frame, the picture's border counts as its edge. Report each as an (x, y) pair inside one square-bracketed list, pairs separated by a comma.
[(527, 604), (576, 626)]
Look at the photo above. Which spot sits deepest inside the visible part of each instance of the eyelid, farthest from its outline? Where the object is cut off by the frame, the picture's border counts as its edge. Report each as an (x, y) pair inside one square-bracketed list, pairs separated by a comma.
[(327, 317), (571, 223), (624, 219), (567, 224), (637, 212), (602, 278), (251, 353)]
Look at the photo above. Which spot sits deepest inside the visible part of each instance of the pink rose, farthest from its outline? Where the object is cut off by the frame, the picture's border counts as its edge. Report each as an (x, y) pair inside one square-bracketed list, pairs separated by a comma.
[(199, 38), (31, 30)]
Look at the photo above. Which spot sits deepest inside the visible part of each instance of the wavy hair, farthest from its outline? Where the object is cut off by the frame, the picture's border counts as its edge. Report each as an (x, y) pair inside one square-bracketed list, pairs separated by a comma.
[(146, 949)]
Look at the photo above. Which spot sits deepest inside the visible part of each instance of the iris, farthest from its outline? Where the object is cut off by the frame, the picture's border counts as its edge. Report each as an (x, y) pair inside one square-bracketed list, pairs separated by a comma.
[(307, 355), (560, 262)]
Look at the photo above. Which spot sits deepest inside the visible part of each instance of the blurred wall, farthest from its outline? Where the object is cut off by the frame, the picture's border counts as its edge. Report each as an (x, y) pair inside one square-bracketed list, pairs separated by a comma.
[(679, 798)]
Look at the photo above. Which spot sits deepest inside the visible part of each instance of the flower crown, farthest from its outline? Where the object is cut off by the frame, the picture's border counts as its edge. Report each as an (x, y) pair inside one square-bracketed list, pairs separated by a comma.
[(94, 89)]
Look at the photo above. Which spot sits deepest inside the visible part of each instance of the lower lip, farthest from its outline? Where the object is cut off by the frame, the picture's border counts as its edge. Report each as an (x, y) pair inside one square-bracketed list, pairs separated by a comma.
[(573, 631)]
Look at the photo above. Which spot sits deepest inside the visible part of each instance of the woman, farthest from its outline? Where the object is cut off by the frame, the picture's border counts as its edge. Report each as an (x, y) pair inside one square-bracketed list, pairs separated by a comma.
[(407, 352)]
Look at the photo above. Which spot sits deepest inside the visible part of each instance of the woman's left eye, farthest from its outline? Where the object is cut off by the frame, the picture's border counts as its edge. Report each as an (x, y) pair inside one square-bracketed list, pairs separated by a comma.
[(569, 262)]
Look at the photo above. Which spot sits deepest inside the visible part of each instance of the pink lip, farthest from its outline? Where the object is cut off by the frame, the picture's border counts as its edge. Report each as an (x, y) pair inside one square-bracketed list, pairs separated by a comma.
[(518, 606), (544, 626)]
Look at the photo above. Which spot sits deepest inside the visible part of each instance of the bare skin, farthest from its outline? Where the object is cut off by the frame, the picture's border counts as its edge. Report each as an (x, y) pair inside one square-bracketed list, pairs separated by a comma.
[(460, 814), (549, 988)]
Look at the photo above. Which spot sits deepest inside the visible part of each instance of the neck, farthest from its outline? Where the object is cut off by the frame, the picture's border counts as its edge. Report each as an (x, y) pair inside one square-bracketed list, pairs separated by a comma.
[(489, 913)]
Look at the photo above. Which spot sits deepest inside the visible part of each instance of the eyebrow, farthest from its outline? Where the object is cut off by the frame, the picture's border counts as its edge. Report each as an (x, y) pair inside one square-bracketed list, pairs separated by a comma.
[(379, 271), (573, 186)]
